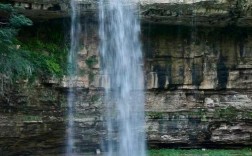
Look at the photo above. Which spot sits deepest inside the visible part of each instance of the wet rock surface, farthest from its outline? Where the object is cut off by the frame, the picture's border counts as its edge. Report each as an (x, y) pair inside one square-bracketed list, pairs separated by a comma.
[(174, 12), (199, 86), (198, 94)]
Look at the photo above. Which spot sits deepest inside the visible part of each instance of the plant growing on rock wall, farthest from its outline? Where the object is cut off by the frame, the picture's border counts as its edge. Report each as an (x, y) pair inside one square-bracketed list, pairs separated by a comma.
[(44, 57), (91, 61), (13, 60), (19, 61)]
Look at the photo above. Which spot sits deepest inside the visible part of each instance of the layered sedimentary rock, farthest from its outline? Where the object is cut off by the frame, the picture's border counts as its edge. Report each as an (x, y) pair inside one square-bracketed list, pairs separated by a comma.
[(175, 12), (204, 13), (198, 84), (200, 80), (198, 94)]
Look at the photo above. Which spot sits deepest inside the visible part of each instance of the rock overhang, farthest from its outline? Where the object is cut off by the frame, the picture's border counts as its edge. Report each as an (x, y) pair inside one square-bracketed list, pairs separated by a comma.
[(171, 12)]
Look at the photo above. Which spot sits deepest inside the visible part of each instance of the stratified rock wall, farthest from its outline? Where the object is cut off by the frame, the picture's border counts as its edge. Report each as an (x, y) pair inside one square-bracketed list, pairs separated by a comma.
[(31, 120), (174, 12), (199, 82), (198, 74), (204, 13)]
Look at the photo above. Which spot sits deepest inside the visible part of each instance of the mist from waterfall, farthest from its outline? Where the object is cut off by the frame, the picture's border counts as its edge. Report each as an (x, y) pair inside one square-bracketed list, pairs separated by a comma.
[(72, 73), (121, 62)]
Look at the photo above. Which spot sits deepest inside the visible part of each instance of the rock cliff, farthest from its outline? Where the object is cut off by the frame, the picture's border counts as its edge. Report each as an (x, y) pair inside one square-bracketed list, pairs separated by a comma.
[(174, 12), (198, 73)]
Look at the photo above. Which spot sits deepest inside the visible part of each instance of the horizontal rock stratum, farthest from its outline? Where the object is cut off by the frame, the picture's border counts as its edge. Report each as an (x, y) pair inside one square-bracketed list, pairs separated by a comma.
[(173, 12), (198, 76)]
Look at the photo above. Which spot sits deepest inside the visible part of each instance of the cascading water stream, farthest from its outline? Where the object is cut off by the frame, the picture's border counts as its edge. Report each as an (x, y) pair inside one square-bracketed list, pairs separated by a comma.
[(72, 73), (121, 61)]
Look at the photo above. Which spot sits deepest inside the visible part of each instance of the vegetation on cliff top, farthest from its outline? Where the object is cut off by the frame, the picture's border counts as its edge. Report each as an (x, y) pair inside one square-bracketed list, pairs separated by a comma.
[(176, 152)]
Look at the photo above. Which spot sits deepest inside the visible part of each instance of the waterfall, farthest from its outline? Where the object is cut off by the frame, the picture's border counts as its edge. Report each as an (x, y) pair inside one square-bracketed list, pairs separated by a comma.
[(72, 73), (121, 62)]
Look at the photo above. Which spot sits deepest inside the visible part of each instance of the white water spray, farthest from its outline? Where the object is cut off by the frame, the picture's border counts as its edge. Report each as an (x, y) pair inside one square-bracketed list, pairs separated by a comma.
[(72, 73), (121, 59)]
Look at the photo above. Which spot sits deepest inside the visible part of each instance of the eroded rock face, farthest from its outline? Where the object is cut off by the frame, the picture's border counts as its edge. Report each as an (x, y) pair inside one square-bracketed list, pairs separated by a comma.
[(31, 120), (203, 58), (204, 13), (198, 94), (211, 100), (174, 12)]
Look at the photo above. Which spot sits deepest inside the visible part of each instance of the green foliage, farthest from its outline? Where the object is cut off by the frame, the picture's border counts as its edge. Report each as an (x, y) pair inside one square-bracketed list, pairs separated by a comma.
[(14, 65), (6, 8), (20, 20), (13, 60), (48, 58), (82, 72), (53, 67), (226, 113), (44, 65), (32, 118), (91, 76), (15, 20), (94, 98), (91, 61), (27, 59), (155, 115), (174, 152)]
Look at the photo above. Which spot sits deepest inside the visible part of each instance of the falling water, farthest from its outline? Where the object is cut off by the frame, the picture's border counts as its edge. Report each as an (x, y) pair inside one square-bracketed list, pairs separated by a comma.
[(121, 59), (74, 34)]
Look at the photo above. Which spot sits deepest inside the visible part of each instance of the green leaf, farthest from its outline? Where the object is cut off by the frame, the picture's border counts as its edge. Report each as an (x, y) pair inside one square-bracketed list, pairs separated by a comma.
[(20, 20)]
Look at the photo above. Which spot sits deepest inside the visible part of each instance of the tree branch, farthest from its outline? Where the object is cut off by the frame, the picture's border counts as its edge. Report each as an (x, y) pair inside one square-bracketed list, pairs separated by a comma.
[(2, 23)]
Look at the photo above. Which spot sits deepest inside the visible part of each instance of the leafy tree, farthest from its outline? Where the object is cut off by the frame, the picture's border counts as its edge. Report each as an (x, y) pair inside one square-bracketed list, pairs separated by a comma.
[(19, 60), (13, 60)]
